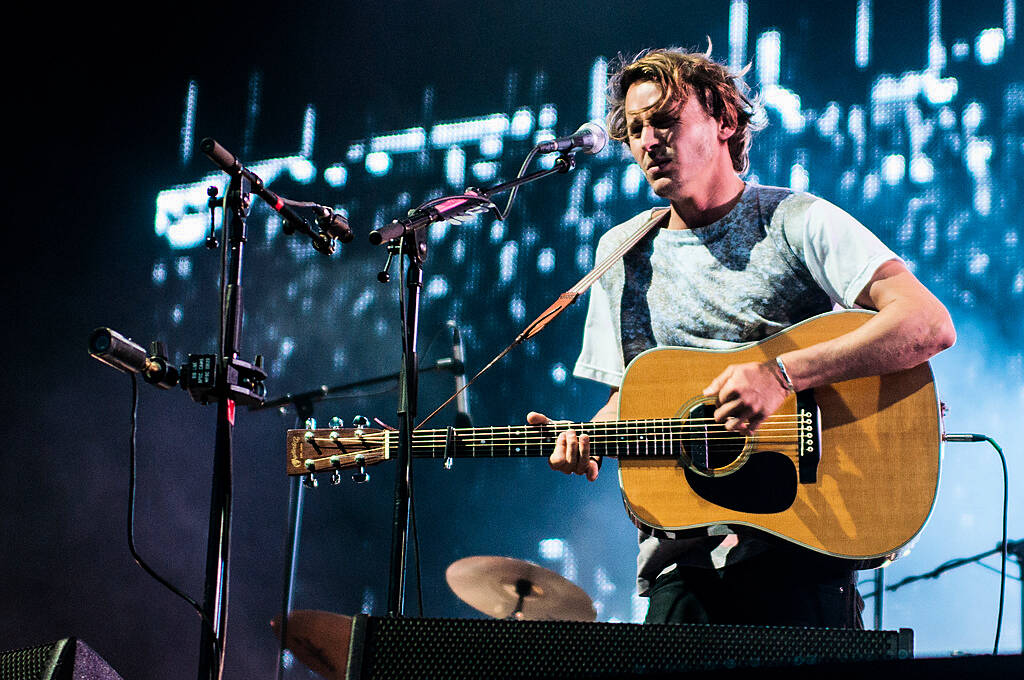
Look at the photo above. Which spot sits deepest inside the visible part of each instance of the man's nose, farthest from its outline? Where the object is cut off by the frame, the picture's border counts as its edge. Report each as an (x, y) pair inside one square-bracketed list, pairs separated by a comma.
[(648, 137)]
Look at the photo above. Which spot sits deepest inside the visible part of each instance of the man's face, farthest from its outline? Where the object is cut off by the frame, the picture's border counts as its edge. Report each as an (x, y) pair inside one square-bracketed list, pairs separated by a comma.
[(680, 150)]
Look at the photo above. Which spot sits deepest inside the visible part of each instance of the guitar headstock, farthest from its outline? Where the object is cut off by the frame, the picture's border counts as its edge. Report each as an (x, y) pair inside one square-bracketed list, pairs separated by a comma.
[(331, 449)]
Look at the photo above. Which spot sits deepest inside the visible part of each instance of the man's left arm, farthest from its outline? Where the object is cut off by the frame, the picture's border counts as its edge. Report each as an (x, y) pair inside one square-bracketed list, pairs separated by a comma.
[(911, 326)]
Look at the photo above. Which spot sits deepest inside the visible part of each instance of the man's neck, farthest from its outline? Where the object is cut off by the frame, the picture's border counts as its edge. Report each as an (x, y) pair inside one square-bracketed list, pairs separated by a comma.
[(712, 205)]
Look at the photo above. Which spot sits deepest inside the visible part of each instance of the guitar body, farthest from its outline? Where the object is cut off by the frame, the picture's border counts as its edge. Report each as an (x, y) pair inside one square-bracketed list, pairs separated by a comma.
[(876, 479)]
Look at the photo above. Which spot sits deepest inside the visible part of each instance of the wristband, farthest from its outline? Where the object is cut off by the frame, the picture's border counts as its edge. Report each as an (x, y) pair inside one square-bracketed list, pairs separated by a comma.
[(786, 382)]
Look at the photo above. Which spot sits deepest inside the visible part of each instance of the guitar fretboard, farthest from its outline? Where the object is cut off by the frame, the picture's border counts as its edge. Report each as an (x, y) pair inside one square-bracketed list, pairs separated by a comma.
[(648, 438)]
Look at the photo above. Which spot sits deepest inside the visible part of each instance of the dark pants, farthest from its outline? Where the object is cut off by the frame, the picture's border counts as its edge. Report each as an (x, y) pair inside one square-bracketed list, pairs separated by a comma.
[(781, 588)]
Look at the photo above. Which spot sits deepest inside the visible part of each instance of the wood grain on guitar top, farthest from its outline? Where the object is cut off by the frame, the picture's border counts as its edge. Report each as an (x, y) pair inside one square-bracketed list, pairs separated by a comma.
[(880, 442)]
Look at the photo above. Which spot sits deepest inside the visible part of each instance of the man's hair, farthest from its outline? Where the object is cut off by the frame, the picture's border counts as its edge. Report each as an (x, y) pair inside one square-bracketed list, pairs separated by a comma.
[(682, 74)]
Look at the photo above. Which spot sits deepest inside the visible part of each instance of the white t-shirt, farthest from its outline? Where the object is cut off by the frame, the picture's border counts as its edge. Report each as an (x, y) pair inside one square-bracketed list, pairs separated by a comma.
[(777, 258)]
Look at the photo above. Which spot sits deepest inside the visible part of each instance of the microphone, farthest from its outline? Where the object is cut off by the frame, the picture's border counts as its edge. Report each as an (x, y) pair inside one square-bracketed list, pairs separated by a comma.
[(334, 224), (462, 418), (117, 351), (590, 138)]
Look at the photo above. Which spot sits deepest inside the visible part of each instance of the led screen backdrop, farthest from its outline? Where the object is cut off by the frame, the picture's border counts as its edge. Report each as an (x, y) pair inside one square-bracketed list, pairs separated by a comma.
[(911, 121)]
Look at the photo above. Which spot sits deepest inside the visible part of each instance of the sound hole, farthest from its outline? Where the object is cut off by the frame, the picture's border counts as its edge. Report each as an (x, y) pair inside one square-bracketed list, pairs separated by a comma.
[(708, 445)]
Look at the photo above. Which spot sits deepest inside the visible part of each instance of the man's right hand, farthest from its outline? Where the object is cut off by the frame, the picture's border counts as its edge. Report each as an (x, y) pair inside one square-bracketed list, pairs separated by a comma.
[(571, 454)]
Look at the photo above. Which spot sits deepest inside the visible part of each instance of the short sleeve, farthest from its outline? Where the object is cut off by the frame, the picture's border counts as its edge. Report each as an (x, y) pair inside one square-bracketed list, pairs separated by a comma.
[(601, 356), (840, 253)]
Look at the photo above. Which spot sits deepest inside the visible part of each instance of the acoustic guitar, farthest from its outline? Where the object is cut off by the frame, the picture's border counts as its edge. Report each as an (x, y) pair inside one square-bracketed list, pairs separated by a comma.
[(849, 470)]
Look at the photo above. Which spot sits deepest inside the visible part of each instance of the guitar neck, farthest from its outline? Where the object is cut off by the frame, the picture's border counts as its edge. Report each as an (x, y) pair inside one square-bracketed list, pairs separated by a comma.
[(613, 438)]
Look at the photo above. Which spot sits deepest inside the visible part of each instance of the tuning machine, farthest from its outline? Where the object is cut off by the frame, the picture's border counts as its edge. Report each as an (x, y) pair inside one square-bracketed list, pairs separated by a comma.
[(362, 476), (309, 481)]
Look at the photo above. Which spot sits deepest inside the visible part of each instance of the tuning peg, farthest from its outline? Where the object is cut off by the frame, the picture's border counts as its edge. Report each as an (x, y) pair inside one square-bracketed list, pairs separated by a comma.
[(310, 423), (362, 476), (360, 422), (335, 478), (336, 423), (309, 481)]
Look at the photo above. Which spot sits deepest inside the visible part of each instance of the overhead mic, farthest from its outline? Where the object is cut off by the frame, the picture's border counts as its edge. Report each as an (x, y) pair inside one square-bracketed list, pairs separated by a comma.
[(113, 349), (590, 138)]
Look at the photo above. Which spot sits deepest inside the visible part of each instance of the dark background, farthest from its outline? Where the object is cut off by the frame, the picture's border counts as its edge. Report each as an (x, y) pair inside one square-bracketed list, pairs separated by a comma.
[(98, 106)]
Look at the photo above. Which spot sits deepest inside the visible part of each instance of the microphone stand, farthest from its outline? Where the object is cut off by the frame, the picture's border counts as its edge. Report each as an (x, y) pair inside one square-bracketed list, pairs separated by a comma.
[(1014, 548), (414, 246), (215, 592)]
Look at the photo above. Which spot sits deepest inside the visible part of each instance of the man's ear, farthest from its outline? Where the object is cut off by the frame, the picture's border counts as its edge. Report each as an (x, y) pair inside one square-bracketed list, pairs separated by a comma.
[(725, 130)]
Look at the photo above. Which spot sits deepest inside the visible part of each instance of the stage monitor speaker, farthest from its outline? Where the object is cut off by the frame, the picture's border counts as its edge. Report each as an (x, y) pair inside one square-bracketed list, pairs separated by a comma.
[(67, 659), (395, 648)]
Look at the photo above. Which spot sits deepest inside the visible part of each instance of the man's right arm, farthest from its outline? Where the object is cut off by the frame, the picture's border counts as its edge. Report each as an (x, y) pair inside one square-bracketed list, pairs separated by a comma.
[(571, 454)]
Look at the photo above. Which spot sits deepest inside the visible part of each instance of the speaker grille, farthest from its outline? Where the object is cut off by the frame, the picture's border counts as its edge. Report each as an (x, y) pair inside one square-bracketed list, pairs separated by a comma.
[(469, 648), (31, 663)]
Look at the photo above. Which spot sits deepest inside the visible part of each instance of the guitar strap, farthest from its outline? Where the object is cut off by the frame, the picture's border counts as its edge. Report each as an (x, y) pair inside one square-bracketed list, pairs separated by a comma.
[(564, 300)]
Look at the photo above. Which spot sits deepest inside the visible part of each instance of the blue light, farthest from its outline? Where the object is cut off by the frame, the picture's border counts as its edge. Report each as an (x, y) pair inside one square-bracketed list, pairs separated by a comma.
[(159, 273), (378, 163), (973, 116), (437, 231), (872, 185), (862, 37), (960, 50), (604, 189), (507, 261), (183, 267), (437, 287), (894, 167), (988, 47), (737, 34), (799, 180), (552, 548), (559, 374), (939, 90), (188, 124), (598, 88), (308, 131), (491, 146), (444, 135), (177, 315), (922, 170), (546, 260), (548, 116), (632, 177), (517, 309), (522, 124), (497, 231), (187, 232), (768, 57), (455, 166), (485, 171), (405, 141), (787, 104), (355, 152), (301, 170), (978, 153), (336, 175)]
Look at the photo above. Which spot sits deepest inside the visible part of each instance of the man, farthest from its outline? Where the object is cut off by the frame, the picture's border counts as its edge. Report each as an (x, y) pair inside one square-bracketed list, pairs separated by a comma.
[(732, 263)]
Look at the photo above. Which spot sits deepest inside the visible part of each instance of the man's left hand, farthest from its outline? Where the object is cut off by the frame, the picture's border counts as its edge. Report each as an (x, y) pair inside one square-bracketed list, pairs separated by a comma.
[(747, 394)]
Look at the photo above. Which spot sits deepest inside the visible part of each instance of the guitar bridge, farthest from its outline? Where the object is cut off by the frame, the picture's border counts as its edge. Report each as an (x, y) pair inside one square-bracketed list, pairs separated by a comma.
[(809, 424)]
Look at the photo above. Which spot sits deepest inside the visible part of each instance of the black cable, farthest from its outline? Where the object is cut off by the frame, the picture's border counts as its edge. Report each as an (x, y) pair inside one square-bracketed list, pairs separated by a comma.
[(131, 522), (969, 437)]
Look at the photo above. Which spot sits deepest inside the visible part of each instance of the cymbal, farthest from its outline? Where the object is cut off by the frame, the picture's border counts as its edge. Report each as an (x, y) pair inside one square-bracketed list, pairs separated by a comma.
[(318, 639), (504, 587)]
